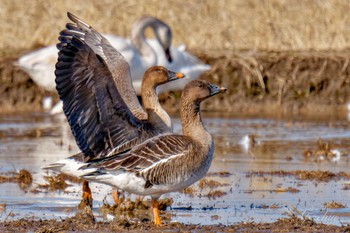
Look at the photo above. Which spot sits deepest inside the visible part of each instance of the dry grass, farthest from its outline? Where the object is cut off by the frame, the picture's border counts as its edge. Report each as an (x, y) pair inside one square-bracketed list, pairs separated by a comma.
[(203, 25)]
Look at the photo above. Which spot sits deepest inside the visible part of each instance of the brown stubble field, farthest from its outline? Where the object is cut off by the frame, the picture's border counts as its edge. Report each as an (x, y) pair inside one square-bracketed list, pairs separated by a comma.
[(272, 25)]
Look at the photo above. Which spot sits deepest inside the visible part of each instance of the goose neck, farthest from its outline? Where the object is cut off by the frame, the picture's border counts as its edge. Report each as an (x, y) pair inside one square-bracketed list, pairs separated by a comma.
[(157, 116), (192, 124)]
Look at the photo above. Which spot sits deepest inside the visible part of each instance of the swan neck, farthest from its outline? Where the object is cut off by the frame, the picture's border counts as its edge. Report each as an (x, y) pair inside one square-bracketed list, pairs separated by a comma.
[(138, 39)]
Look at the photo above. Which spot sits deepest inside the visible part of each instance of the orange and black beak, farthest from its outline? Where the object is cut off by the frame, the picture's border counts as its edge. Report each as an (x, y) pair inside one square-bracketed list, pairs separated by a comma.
[(216, 90), (174, 75)]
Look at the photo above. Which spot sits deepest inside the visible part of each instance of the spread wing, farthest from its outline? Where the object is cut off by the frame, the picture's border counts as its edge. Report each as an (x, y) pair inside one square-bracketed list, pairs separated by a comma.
[(116, 64), (99, 118)]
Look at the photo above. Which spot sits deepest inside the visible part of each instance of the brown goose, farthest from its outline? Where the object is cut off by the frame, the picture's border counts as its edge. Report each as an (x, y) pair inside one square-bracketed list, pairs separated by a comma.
[(164, 163), (93, 81)]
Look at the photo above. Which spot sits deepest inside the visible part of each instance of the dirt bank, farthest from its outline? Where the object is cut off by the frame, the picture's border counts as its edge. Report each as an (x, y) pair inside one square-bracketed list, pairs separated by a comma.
[(81, 224), (258, 83), (288, 83)]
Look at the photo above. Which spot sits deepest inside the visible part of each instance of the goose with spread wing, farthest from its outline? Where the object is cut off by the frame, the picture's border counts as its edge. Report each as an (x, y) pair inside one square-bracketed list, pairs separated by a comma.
[(164, 163), (93, 81)]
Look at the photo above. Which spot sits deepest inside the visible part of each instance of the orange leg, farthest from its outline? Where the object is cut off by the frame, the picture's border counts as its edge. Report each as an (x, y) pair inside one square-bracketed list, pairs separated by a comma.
[(155, 209), (87, 196), (115, 196)]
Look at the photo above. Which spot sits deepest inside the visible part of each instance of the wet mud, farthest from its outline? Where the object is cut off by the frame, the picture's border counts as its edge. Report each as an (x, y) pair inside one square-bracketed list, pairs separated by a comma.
[(84, 223)]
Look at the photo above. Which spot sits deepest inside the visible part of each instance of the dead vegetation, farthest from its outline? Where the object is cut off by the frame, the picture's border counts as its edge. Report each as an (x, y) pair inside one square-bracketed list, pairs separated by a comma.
[(77, 223), (56, 183), (127, 205), (261, 83), (285, 82), (324, 176), (213, 194), (280, 189), (334, 205), (23, 178), (219, 174), (322, 152), (228, 24), (211, 184)]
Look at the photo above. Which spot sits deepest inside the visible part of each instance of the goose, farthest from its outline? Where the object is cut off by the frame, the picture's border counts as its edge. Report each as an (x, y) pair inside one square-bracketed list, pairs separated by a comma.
[(164, 163), (93, 81)]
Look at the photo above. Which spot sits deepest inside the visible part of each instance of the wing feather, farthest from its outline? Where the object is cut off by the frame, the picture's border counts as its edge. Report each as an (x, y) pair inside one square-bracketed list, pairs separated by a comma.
[(99, 118), (147, 154), (116, 63)]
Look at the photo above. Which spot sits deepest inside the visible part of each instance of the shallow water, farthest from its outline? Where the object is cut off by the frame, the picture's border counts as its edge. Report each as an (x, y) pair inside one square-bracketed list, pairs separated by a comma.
[(34, 140)]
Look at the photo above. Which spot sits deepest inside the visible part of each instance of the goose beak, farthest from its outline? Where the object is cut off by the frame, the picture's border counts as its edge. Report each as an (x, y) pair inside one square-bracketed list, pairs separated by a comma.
[(216, 90), (175, 75), (168, 55)]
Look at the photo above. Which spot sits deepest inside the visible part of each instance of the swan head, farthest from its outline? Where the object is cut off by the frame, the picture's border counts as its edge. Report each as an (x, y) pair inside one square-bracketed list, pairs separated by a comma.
[(164, 36), (161, 30), (157, 75)]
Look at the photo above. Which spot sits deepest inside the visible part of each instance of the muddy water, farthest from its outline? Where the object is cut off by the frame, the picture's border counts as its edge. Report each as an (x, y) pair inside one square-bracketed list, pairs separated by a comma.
[(34, 140)]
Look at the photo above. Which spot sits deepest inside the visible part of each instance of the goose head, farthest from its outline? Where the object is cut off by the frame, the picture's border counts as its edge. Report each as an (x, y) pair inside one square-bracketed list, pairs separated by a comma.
[(199, 90), (157, 75)]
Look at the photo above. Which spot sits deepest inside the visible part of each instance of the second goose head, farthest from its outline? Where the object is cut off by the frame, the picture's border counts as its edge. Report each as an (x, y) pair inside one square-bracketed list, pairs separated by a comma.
[(158, 75), (153, 77)]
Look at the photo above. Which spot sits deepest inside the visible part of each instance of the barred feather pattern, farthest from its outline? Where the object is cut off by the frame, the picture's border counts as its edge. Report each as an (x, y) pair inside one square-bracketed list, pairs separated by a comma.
[(166, 159)]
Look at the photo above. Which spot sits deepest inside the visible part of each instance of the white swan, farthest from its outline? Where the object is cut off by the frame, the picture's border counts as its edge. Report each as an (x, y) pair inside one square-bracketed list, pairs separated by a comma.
[(182, 61), (139, 52)]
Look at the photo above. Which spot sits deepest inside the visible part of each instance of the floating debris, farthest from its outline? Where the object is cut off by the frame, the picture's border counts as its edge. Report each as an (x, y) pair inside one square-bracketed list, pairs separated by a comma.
[(220, 174), (23, 178), (323, 152), (334, 205), (324, 176), (289, 189), (215, 194), (188, 191), (206, 183), (346, 186), (54, 183)]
